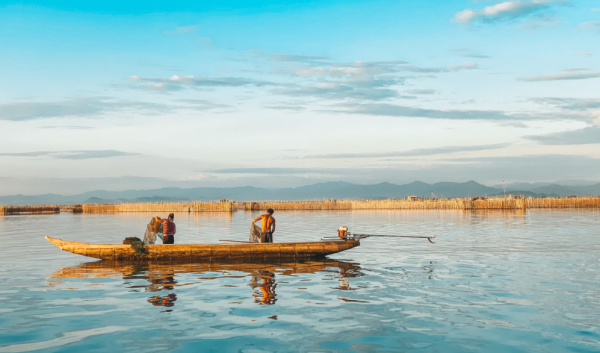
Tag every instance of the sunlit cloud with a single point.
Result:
(508, 10)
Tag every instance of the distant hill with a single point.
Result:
(329, 190)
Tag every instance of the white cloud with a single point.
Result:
(467, 65)
(588, 135)
(596, 121)
(204, 41)
(355, 69)
(360, 80)
(411, 153)
(73, 155)
(590, 25)
(414, 112)
(572, 104)
(469, 53)
(569, 74)
(420, 91)
(360, 69)
(93, 107)
(584, 53)
(297, 58)
(177, 82)
(596, 9)
(84, 107)
(504, 10)
(180, 31)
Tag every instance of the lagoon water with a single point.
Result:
(493, 282)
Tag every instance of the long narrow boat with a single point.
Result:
(208, 252)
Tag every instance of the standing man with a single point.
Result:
(267, 226)
(169, 229)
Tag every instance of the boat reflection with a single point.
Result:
(163, 276)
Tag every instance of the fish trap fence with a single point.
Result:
(337, 205)
(563, 202)
(402, 204)
(24, 210)
(496, 203)
(477, 203)
(322, 205)
(226, 206)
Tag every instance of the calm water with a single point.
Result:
(493, 282)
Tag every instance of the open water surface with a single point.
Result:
(493, 282)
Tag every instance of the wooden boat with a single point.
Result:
(208, 252)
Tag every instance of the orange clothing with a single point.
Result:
(267, 221)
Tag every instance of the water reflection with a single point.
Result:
(263, 277)
(265, 282)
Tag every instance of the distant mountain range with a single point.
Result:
(329, 190)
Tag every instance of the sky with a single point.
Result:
(134, 95)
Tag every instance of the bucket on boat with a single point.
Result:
(343, 232)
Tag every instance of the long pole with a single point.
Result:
(391, 236)
(363, 236)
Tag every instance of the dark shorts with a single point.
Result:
(266, 237)
(168, 239)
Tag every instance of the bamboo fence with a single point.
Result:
(226, 206)
(322, 205)
(98, 208)
(497, 203)
(337, 205)
(23, 210)
(564, 202)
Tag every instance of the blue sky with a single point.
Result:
(120, 95)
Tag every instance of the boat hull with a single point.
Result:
(207, 252)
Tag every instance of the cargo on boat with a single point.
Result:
(208, 252)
